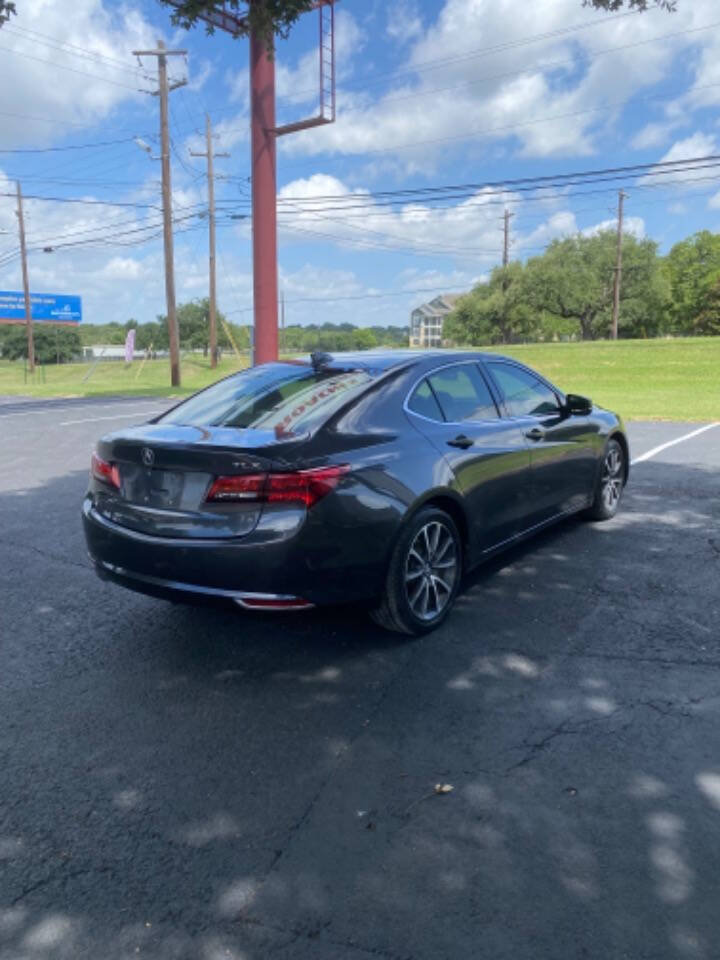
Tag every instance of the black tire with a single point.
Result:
(610, 483)
(401, 607)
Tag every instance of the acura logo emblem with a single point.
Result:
(148, 457)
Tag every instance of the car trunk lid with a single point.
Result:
(166, 471)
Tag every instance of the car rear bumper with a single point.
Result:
(175, 590)
(285, 558)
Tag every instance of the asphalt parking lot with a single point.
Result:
(198, 784)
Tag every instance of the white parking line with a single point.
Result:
(52, 409)
(128, 415)
(671, 443)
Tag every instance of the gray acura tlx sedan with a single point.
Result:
(377, 478)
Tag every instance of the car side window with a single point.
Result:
(423, 402)
(463, 394)
(524, 394)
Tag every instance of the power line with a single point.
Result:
(75, 146)
(361, 296)
(513, 183)
(549, 65)
(92, 203)
(425, 195)
(479, 132)
(69, 48)
(472, 53)
(62, 66)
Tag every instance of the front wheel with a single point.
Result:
(610, 484)
(424, 575)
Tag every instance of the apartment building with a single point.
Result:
(426, 321)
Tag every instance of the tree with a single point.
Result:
(270, 17)
(494, 312)
(363, 339)
(708, 318)
(7, 10)
(692, 269)
(640, 5)
(52, 344)
(264, 17)
(572, 282)
(194, 326)
(151, 335)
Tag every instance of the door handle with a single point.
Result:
(461, 441)
(536, 433)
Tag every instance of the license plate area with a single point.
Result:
(163, 489)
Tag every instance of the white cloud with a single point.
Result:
(47, 84)
(495, 85)
(466, 231)
(449, 281)
(633, 225)
(403, 21)
(122, 268)
(299, 84)
(698, 145)
(559, 224)
(475, 78)
(654, 134)
(470, 79)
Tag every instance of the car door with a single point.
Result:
(563, 455)
(454, 407)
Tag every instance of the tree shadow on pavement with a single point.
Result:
(190, 782)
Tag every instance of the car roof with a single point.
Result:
(387, 359)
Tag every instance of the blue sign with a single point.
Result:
(45, 307)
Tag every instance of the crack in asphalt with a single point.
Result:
(45, 554)
(570, 726)
(662, 661)
(305, 815)
(316, 933)
(561, 730)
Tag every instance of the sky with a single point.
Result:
(429, 93)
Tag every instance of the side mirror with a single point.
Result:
(577, 405)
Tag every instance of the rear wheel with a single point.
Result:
(610, 484)
(424, 575)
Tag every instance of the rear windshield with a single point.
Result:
(287, 398)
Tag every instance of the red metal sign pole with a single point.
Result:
(263, 138)
(264, 191)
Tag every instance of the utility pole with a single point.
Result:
(507, 216)
(26, 283)
(162, 92)
(506, 237)
(211, 219)
(618, 267)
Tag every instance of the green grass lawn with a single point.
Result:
(113, 377)
(640, 379)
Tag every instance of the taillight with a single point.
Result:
(300, 486)
(248, 487)
(104, 471)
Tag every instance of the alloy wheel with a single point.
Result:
(431, 569)
(612, 477)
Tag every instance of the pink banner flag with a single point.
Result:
(130, 345)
